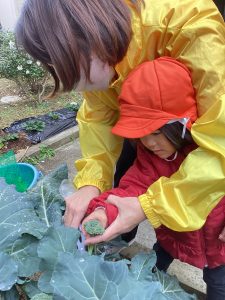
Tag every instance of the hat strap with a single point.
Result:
(184, 122)
(174, 157)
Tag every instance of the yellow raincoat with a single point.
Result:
(193, 32)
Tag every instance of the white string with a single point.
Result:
(183, 121)
(175, 156)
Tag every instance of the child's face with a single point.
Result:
(101, 75)
(158, 143)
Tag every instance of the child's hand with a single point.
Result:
(100, 215)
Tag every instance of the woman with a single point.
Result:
(92, 46)
(163, 103)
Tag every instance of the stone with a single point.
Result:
(9, 99)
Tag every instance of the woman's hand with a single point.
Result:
(77, 204)
(129, 216)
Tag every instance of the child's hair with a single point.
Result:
(66, 33)
(173, 132)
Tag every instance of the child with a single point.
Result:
(161, 102)
(94, 45)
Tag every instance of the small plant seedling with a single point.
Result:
(11, 137)
(44, 153)
(7, 138)
(2, 143)
(94, 228)
(73, 106)
(34, 126)
(53, 116)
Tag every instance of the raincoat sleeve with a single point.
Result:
(132, 184)
(100, 148)
(183, 201)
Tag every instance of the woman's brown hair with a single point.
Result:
(65, 33)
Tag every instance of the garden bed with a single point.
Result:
(28, 107)
(17, 144)
(16, 138)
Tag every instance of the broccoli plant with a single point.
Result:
(94, 228)
(38, 254)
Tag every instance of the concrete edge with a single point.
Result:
(136, 247)
(54, 142)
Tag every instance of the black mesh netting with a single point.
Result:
(66, 118)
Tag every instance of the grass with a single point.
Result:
(44, 153)
(26, 108)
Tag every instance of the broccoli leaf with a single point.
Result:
(24, 252)
(12, 294)
(83, 277)
(170, 287)
(56, 240)
(17, 216)
(49, 204)
(8, 272)
(141, 266)
(42, 296)
(31, 288)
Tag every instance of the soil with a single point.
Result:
(21, 143)
(8, 87)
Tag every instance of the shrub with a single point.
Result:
(73, 106)
(18, 66)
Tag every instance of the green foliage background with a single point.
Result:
(17, 65)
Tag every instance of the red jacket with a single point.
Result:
(198, 248)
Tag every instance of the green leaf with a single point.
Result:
(48, 202)
(24, 252)
(141, 266)
(56, 240)
(17, 216)
(31, 289)
(171, 288)
(87, 277)
(83, 277)
(8, 272)
(13, 294)
(59, 239)
(36, 125)
(17, 65)
(42, 296)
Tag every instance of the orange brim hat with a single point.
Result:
(154, 94)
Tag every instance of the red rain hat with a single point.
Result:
(155, 93)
